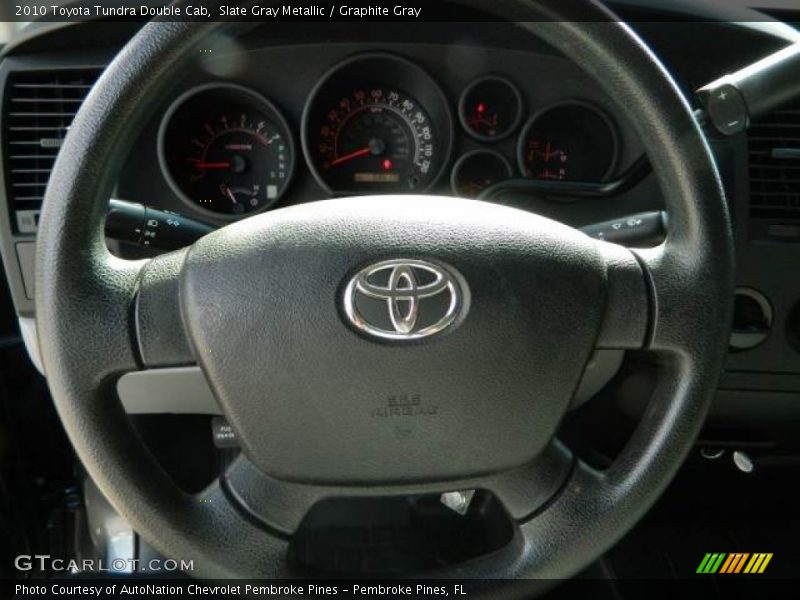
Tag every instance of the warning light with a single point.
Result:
(481, 108)
(387, 165)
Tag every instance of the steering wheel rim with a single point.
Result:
(677, 299)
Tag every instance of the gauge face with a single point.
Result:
(377, 138)
(478, 170)
(226, 150)
(569, 142)
(490, 108)
(363, 137)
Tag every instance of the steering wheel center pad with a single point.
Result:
(313, 399)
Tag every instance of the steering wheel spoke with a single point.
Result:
(96, 299)
(685, 294)
(280, 506)
(159, 331)
(626, 321)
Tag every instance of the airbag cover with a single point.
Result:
(314, 398)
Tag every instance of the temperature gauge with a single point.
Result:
(490, 108)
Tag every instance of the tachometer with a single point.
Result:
(363, 136)
(226, 149)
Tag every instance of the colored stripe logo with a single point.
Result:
(736, 562)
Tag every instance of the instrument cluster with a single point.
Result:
(376, 123)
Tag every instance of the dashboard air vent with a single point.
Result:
(38, 109)
(774, 153)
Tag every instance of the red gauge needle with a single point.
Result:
(352, 155)
(213, 165)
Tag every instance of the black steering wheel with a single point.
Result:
(261, 306)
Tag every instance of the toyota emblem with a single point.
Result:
(405, 299)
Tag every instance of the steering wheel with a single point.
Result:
(261, 306)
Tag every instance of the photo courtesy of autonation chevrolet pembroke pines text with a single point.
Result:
(385, 299)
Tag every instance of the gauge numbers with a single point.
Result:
(377, 137)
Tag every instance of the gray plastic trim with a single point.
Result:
(178, 390)
(112, 536)
(30, 338)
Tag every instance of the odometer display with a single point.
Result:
(362, 136)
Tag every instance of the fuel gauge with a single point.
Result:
(490, 108)
(571, 141)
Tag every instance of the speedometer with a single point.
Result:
(365, 137)
(377, 138)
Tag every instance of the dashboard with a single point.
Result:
(279, 116)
